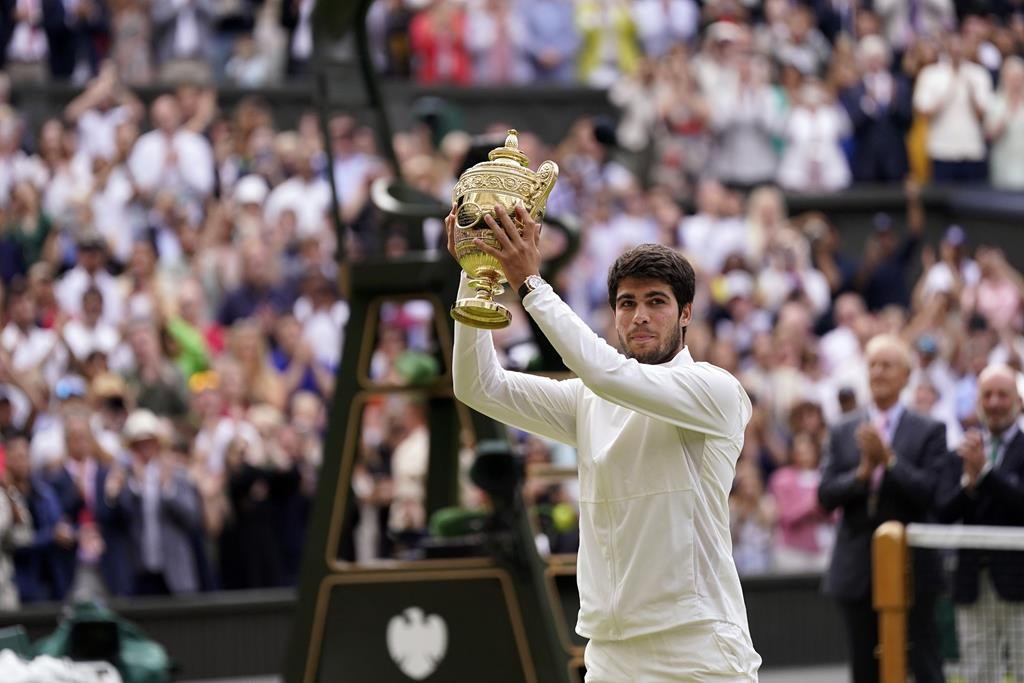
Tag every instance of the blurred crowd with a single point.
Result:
(248, 43)
(810, 95)
(172, 324)
(172, 320)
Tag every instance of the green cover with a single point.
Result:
(141, 660)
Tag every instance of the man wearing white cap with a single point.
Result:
(164, 508)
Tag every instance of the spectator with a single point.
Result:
(155, 382)
(260, 484)
(409, 462)
(766, 216)
(952, 273)
(837, 19)
(1004, 127)
(388, 24)
(981, 485)
(258, 294)
(109, 399)
(954, 94)
(608, 48)
(304, 193)
(15, 531)
(183, 38)
(711, 234)
(296, 18)
(69, 173)
(803, 46)
(38, 574)
(745, 119)
(29, 232)
(90, 333)
(880, 108)
(24, 41)
(638, 98)
(551, 40)
(247, 345)
(247, 67)
(903, 22)
(788, 275)
(438, 40)
(998, 293)
(115, 211)
(883, 465)
(232, 23)
(163, 505)
(17, 166)
(354, 168)
(496, 40)
(35, 356)
(806, 531)
(838, 267)
(882, 279)
(323, 316)
(130, 38)
(171, 157)
(752, 518)
(662, 25)
(814, 160)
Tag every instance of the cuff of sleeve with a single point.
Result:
(984, 472)
(531, 295)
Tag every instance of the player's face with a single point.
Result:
(648, 321)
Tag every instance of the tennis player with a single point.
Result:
(657, 436)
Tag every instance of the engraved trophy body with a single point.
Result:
(504, 179)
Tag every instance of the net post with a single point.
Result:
(891, 598)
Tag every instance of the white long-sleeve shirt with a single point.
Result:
(955, 130)
(657, 448)
(192, 170)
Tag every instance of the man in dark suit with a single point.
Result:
(101, 539)
(880, 107)
(983, 483)
(163, 507)
(883, 464)
(39, 574)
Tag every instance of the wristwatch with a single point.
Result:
(531, 283)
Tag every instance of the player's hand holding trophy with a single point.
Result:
(504, 179)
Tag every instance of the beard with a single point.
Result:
(660, 354)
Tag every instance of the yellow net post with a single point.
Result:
(892, 598)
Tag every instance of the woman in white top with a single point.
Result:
(813, 160)
(1004, 127)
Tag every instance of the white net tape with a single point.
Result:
(973, 537)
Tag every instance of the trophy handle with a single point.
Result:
(545, 178)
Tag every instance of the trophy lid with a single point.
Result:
(510, 152)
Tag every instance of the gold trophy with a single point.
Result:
(505, 179)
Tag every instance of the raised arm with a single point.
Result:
(694, 396)
(540, 405)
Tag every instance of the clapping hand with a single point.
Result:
(972, 453)
(872, 450)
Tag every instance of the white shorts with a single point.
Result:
(705, 651)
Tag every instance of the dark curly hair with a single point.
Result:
(654, 262)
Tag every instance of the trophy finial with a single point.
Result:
(510, 151)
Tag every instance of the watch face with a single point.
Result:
(534, 281)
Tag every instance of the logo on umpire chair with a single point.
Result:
(417, 642)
